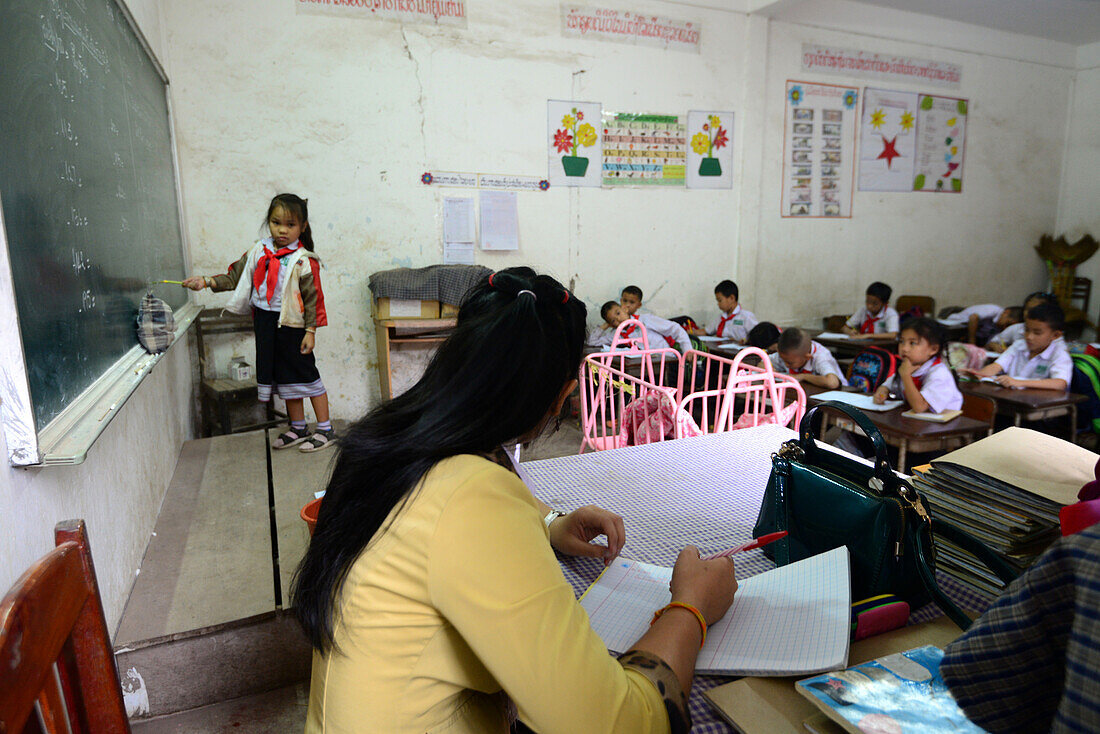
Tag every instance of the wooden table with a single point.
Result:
(908, 434)
(851, 347)
(1029, 404)
(405, 347)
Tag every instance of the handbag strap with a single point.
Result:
(967, 542)
(806, 436)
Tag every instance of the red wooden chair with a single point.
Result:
(57, 668)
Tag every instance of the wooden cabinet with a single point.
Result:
(405, 347)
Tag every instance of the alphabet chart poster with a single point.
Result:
(819, 150)
(644, 149)
(887, 140)
(941, 143)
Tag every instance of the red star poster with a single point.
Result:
(887, 140)
(819, 150)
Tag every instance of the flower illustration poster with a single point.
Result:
(710, 150)
(574, 143)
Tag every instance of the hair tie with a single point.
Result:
(527, 291)
(565, 296)
(491, 279)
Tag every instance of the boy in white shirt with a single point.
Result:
(733, 322)
(984, 320)
(806, 361)
(1006, 338)
(631, 301)
(923, 378)
(1040, 360)
(672, 333)
(875, 319)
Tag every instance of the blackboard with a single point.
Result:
(88, 188)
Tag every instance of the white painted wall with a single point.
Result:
(119, 488)
(1078, 212)
(350, 112)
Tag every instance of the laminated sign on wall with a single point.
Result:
(819, 150)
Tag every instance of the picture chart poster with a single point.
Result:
(641, 149)
(819, 150)
(710, 155)
(941, 143)
(574, 144)
(887, 140)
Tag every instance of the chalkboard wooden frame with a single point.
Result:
(68, 437)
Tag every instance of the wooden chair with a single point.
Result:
(980, 408)
(220, 393)
(57, 668)
(926, 304)
(1082, 291)
(834, 323)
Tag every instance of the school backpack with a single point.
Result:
(689, 325)
(871, 368)
(1086, 381)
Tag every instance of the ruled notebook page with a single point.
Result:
(789, 621)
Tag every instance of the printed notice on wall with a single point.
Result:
(887, 140)
(438, 12)
(499, 220)
(941, 143)
(881, 67)
(643, 149)
(623, 26)
(819, 150)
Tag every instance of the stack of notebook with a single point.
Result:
(1006, 490)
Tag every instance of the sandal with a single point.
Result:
(289, 438)
(319, 440)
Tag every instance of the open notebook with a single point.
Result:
(792, 620)
(858, 400)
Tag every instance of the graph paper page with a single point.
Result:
(788, 621)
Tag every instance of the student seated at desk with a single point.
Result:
(1007, 337)
(924, 380)
(807, 361)
(613, 315)
(430, 590)
(764, 335)
(985, 320)
(733, 321)
(631, 301)
(1030, 663)
(875, 319)
(1040, 360)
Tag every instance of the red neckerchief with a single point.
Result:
(918, 381)
(868, 326)
(267, 267)
(809, 363)
(671, 341)
(628, 330)
(722, 322)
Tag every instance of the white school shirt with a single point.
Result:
(984, 311)
(664, 328)
(259, 293)
(937, 385)
(1053, 362)
(735, 326)
(887, 320)
(821, 362)
(598, 337)
(1011, 335)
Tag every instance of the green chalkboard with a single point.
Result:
(88, 188)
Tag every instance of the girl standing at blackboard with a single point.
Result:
(279, 281)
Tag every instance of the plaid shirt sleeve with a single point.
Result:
(1032, 662)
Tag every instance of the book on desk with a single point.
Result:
(792, 620)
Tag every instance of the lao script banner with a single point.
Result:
(624, 26)
(438, 12)
(855, 63)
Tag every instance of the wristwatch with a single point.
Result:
(551, 517)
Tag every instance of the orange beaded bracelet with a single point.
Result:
(693, 610)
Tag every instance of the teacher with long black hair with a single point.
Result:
(431, 592)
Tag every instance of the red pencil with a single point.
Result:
(754, 543)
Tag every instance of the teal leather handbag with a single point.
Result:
(825, 499)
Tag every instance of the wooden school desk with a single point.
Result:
(704, 491)
(908, 434)
(851, 347)
(1028, 404)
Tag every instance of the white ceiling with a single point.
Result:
(1070, 21)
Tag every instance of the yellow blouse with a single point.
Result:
(460, 597)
